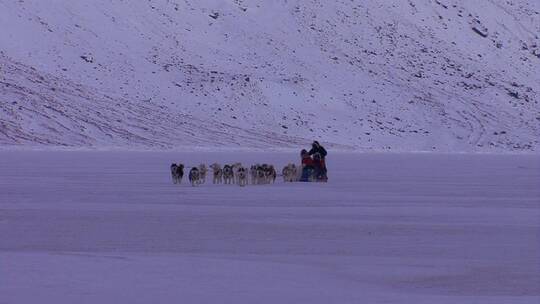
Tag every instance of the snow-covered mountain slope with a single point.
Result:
(444, 75)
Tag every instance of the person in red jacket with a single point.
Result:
(308, 166)
(306, 158)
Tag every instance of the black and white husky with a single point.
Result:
(270, 174)
(242, 176)
(260, 176)
(177, 173)
(265, 174)
(194, 176)
(228, 174)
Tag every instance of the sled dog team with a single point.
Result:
(312, 168)
(239, 175)
(230, 174)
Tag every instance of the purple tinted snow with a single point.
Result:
(110, 227)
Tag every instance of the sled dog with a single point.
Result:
(177, 173)
(194, 176)
(242, 176)
(217, 173)
(289, 173)
(202, 173)
(228, 174)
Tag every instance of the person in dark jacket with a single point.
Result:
(319, 153)
(317, 148)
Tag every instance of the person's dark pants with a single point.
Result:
(307, 173)
(321, 172)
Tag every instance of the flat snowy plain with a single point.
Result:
(110, 227)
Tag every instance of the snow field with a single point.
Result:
(110, 227)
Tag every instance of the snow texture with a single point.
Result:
(110, 227)
(409, 75)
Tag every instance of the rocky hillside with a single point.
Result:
(405, 75)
